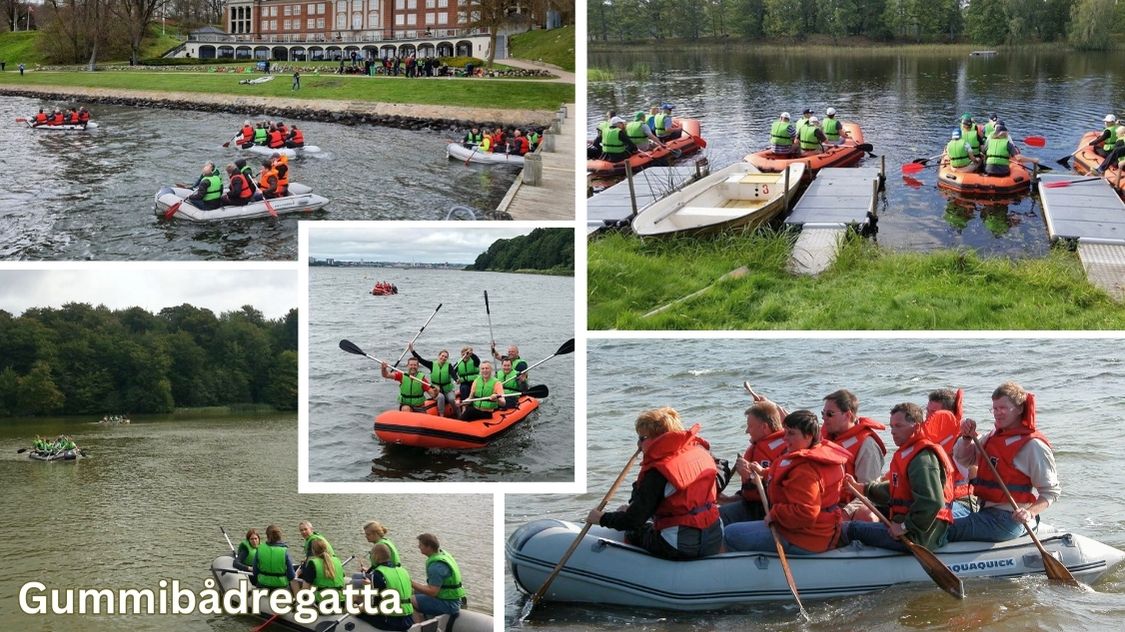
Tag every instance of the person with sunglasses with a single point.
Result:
(857, 435)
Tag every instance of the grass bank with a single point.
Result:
(21, 47)
(553, 47)
(867, 288)
(491, 93)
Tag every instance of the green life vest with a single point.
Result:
(410, 391)
(260, 136)
(508, 379)
(801, 124)
(323, 581)
(636, 132)
(661, 123)
(1111, 139)
(969, 135)
(451, 588)
(398, 580)
(989, 127)
(272, 572)
(474, 139)
(832, 129)
(808, 138)
(439, 376)
(214, 188)
(611, 141)
(997, 151)
(251, 552)
(603, 127)
(779, 133)
(484, 389)
(533, 138)
(316, 536)
(391, 547)
(467, 370)
(958, 156)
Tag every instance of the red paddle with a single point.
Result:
(171, 212)
(1065, 183)
(1035, 141)
(20, 119)
(269, 207)
(913, 167)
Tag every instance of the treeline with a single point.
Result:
(79, 359)
(1084, 24)
(549, 249)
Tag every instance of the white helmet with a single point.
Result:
(814, 120)
(784, 115)
(1109, 118)
(831, 112)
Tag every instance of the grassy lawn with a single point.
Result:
(532, 95)
(867, 288)
(554, 47)
(21, 47)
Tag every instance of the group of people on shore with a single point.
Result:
(468, 389)
(809, 135)
(271, 566)
(617, 139)
(271, 134)
(518, 142)
(79, 116)
(242, 187)
(938, 487)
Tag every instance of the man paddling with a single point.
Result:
(767, 444)
(412, 387)
(857, 435)
(208, 189)
(443, 592)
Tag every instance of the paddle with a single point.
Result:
(171, 212)
(527, 608)
(867, 147)
(935, 568)
(227, 144)
(698, 140)
(229, 543)
(565, 348)
(488, 312)
(20, 119)
(914, 167)
(780, 549)
(475, 148)
(1065, 160)
(22, 450)
(538, 391)
(412, 340)
(1056, 570)
(269, 207)
(1035, 141)
(1065, 183)
(922, 161)
(275, 616)
(350, 347)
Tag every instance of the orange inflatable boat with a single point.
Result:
(845, 155)
(686, 143)
(427, 430)
(1018, 180)
(1086, 159)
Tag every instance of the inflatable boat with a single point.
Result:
(301, 199)
(605, 570)
(1086, 160)
(460, 152)
(428, 430)
(228, 578)
(1017, 181)
(65, 455)
(66, 127)
(844, 155)
(383, 291)
(285, 151)
(687, 142)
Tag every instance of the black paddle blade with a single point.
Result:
(350, 347)
(567, 347)
(539, 391)
(920, 161)
(1065, 162)
(486, 308)
(1043, 167)
(21, 450)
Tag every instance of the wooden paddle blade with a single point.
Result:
(270, 208)
(1036, 141)
(936, 569)
(1056, 570)
(913, 167)
(350, 347)
(567, 347)
(171, 212)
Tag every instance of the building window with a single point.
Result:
(287, 25)
(357, 5)
(443, 18)
(357, 21)
(287, 10)
(310, 23)
(400, 5)
(430, 4)
(320, 9)
(320, 23)
(400, 20)
(372, 19)
(411, 19)
(341, 6)
(411, 4)
(442, 4)
(430, 18)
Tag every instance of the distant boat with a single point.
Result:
(982, 53)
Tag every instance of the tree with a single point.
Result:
(988, 22)
(782, 18)
(1090, 23)
(37, 393)
(281, 392)
(489, 15)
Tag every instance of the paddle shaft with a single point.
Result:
(488, 312)
(229, 543)
(781, 550)
(412, 340)
(1065, 183)
(1056, 570)
(539, 390)
(581, 534)
(562, 351)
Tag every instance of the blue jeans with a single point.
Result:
(755, 536)
(876, 533)
(740, 511)
(432, 606)
(992, 524)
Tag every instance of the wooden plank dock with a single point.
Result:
(836, 199)
(615, 204)
(1091, 212)
(553, 198)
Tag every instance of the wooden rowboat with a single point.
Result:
(737, 196)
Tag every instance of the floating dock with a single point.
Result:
(839, 197)
(616, 204)
(1091, 212)
(553, 197)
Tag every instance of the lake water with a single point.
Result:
(907, 105)
(89, 195)
(346, 392)
(1078, 385)
(147, 505)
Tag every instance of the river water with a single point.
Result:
(89, 195)
(907, 104)
(1078, 383)
(147, 505)
(346, 392)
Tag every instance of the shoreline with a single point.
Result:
(399, 115)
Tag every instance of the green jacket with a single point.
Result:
(926, 479)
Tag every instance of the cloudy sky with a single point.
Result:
(413, 244)
(272, 292)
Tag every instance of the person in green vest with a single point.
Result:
(412, 387)
(465, 371)
(508, 378)
(272, 567)
(615, 144)
(604, 125)
(485, 386)
(519, 365)
(473, 137)
(323, 571)
(811, 137)
(990, 126)
(806, 116)
(639, 132)
(442, 377)
(960, 154)
(833, 128)
(1117, 156)
(376, 534)
(971, 134)
(247, 552)
(305, 528)
(208, 189)
(260, 134)
(1000, 151)
(664, 125)
(782, 135)
(1105, 143)
(442, 593)
(387, 575)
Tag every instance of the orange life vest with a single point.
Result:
(944, 429)
(822, 532)
(247, 190)
(276, 139)
(74, 120)
(898, 475)
(283, 130)
(84, 116)
(41, 118)
(1002, 447)
(57, 118)
(264, 180)
(247, 134)
(682, 457)
(298, 137)
(282, 178)
(852, 440)
(764, 452)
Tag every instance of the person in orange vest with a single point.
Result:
(767, 444)
(57, 118)
(240, 190)
(944, 411)
(281, 164)
(40, 118)
(83, 116)
(857, 435)
(1026, 463)
(267, 180)
(672, 512)
(276, 140)
(72, 117)
(803, 490)
(518, 145)
(918, 488)
(296, 138)
(245, 137)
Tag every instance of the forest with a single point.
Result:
(85, 360)
(546, 249)
(1083, 24)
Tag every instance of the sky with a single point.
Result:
(412, 244)
(272, 292)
